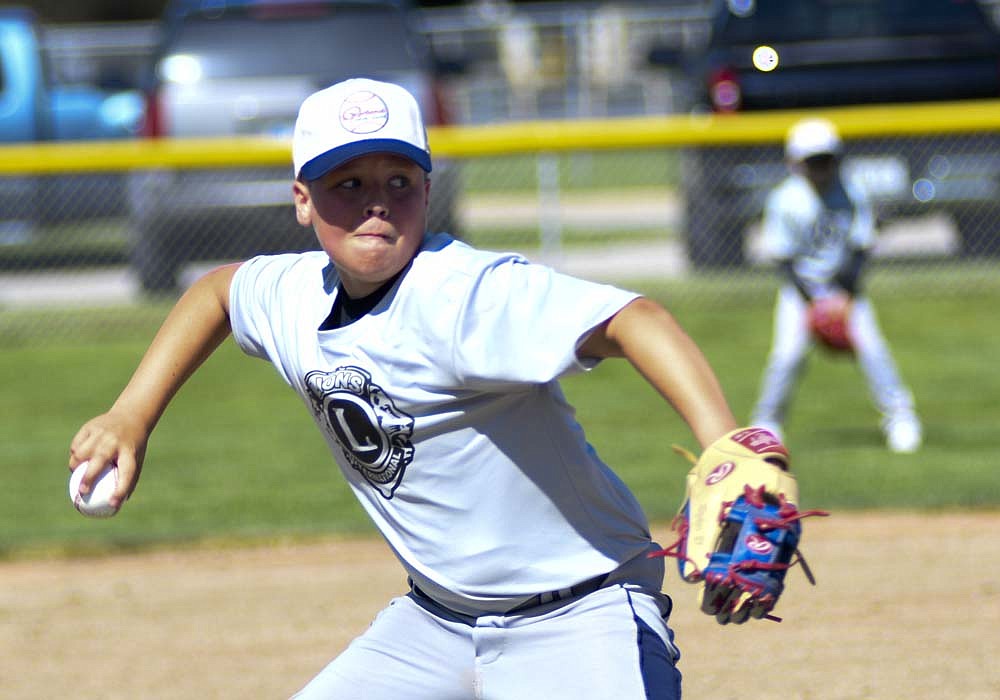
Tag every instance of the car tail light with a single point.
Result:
(724, 90)
(153, 126)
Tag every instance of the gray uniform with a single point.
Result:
(818, 235)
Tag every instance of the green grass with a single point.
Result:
(578, 171)
(97, 242)
(529, 242)
(837, 447)
(237, 456)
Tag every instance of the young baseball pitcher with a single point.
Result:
(818, 225)
(431, 368)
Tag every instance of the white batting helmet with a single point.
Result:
(812, 137)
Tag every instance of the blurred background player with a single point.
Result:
(818, 227)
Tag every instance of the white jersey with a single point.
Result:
(817, 233)
(445, 396)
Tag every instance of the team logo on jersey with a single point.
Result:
(373, 434)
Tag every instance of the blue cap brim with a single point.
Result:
(335, 157)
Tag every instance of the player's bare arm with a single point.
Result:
(651, 339)
(195, 327)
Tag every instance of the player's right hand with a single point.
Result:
(110, 438)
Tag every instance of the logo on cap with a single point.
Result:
(364, 112)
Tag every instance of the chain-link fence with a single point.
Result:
(119, 243)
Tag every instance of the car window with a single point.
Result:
(779, 20)
(359, 40)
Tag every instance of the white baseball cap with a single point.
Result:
(354, 118)
(812, 137)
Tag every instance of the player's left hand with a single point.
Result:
(739, 525)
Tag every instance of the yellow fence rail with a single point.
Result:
(519, 137)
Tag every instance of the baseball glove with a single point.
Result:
(828, 322)
(738, 528)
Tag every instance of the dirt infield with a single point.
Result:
(907, 606)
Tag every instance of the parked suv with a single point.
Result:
(778, 54)
(243, 67)
(36, 109)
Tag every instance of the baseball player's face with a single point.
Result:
(369, 216)
(821, 170)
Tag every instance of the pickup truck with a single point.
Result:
(32, 109)
(810, 54)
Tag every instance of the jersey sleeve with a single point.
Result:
(522, 322)
(779, 240)
(862, 233)
(255, 305)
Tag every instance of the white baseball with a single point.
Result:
(95, 504)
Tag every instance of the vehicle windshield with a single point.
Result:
(781, 20)
(357, 39)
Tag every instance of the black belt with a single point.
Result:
(577, 591)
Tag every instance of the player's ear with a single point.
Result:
(427, 191)
(303, 203)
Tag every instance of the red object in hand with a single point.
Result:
(828, 322)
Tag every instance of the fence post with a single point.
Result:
(549, 214)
